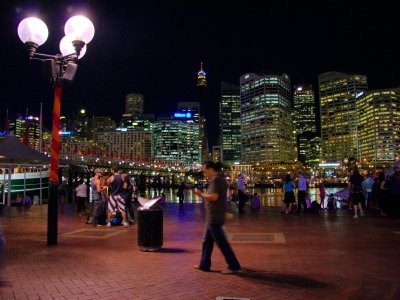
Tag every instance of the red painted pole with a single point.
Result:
(55, 135)
(52, 215)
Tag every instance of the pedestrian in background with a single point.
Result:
(356, 191)
(301, 192)
(367, 185)
(241, 189)
(97, 196)
(116, 202)
(215, 208)
(322, 193)
(181, 194)
(81, 196)
(288, 189)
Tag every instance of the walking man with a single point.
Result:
(215, 207)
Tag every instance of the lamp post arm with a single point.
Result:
(41, 56)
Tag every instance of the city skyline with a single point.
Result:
(156, 50)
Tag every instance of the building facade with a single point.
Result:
(267, 127)
(378, 115)
(133, 145)
(27, 129)
(304, 109)
(338, 93)
(229, 116)
(134, 104)
(177, 139)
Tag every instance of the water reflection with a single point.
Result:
(268, 196)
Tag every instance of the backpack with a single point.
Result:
(315, 207)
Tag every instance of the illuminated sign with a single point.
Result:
(65, 132)
(183, 115)
(333, 164)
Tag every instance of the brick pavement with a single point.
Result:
(330, 256)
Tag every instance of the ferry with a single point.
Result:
(34, 184)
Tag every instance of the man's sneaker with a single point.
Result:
(362, 214)
(355, 217)
(108, 225)
(126, 224)
(228, 271)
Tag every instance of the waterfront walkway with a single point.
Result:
(330, 256)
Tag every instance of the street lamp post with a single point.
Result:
(33, 32)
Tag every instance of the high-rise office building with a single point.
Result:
(125, 145)
(177, 139)
(229, 115)
(267, 130)
(338, 93)
(309, 145)
(102, 123)
(79, 125)
(199, 120)
(304, 109)
(378, 115)
(134, 104)
(201, 77)
(27, 129)
(305, 121)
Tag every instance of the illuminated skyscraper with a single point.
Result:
(134, 104)
(198, 122)
(267, 130)
(229, 115)
(177, 139)
(27, 130)
(304, 109)
(338, 93)
(305, 121)
(201, 77)
(378, 115)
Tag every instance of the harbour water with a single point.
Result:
(268, 196)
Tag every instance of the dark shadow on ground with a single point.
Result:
(173, 250)
(291, 279)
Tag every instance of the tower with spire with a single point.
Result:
(201, 81)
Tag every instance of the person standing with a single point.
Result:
(288, 200)
(81, 196)
(367, 187)
(356, 190)
(322, 193)
(215, 213)
(97, 196)
(181, 194)
(116, 202)
(241, 188)
(128, 189)
(383, 194)
(301, 193)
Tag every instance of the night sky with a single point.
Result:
(156, 49)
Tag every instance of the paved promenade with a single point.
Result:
(330, 256)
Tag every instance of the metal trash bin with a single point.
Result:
(150, 228)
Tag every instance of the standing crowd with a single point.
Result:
(111, 197)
